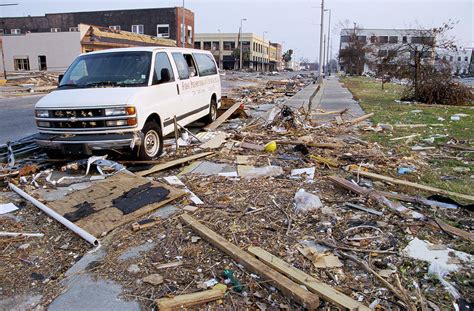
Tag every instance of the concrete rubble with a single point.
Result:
(283, 179)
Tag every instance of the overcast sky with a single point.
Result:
(295, 23)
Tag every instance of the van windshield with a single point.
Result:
(121, 69)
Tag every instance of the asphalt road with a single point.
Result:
(17, 117)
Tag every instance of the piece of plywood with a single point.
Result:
(285, 285)
(222, 117)
(101, 206)
(169, 164)
(189, 300)
(413, 185)
(323, 290)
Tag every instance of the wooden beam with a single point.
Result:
(413, 185)
(222, 117)
(361, 118)
(285, 285)
(189, 300)
(310, 144)
(323, 290)
(169, 164)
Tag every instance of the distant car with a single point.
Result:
(126, 100)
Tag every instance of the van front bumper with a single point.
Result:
(87, 143)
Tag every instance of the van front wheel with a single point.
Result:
(212, 116)
(152, 144)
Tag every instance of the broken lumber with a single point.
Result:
(329, 112)
(413, 185)
(285, 285)
(189, 300)
(321, 289)
(398, 208)
(411, 126)
(360, 119)
(405, 137)
(169, 164)
(222, 117)
(311, 144)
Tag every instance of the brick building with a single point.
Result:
(159, 22)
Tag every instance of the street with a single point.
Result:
(17, 115)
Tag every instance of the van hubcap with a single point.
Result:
(152, 143)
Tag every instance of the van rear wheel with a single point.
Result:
(152, 144)
(212, 116)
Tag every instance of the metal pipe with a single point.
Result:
(19, 234)
(79, 231)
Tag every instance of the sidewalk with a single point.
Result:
(333, 96)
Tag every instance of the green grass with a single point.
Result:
(382, 102)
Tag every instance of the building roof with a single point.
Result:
(106, 36)
(118, 10)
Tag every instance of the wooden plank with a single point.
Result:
(323, 290)
(285, 285)
(222, 117)
(361, 118)
(189, 300)
(176, 162)
(413, 185)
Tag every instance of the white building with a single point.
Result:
(459, 60)
(382, 42)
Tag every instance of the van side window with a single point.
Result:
(191, 66)
(163, 71)
(206, 64)
(181, 64)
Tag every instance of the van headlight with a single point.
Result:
(116, 123)
(109, 112)
(42, 113)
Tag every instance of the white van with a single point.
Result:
(121, 99)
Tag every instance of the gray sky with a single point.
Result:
(294, 22)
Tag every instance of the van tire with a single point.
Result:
(152, 144)
(212, 116)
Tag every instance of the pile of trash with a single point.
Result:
(280, 210)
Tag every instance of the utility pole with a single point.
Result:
(327, 53)
(240, 43)
(324, 54)
(320, 78)
(1, 42)
(183, 33)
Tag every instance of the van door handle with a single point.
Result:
(177, 88)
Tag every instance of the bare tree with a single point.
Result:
(353, 51)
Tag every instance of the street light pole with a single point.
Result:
(220, 47)
(240, 42)
(183, 33)
(327, 53)
(263, 66)
(320, 78)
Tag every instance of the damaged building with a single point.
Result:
(38, 52)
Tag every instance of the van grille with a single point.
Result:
(80, 113)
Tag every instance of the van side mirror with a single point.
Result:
(165, 75)
(60, 77)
